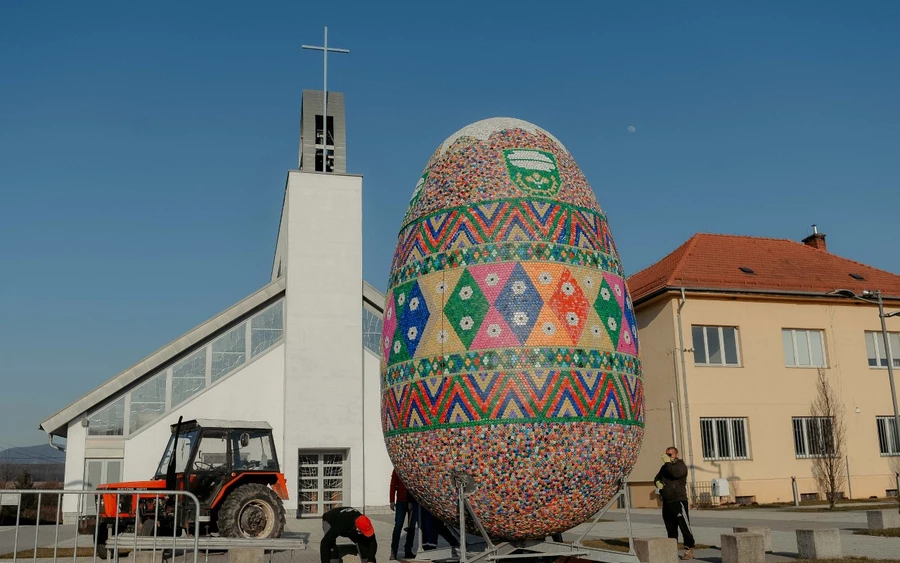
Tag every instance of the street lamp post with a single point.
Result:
(890, 363)
(866, 297)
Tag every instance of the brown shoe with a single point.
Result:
(688, 554)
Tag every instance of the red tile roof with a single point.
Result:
(714, 262)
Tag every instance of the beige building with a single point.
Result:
(733, 332)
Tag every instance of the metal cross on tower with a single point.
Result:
(325, 49)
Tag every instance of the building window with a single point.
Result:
(188, 377)
(330, 130)
(372, 324)
(229, 351)
(319, 161)
(147, 402)
(877, 351)
(888, 440)
(108, 421)
(813, 436)
(724, 438)
(715, 345)
(803, 348)
(266, 329)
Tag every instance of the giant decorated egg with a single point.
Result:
(510, 347)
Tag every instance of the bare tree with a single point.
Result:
(828, 437)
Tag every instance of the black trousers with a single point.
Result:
(675, 515)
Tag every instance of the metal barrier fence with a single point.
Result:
(105, 531)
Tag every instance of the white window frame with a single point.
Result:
(806, 332)
(705, 345)
(874, 337)
(710, 437)
(805, 436)
(886, 437)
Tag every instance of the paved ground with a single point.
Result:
(707, 525)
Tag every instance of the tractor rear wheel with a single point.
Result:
(251, 511)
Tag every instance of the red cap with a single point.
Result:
(364, 525)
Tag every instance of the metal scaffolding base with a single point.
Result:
(536, 551)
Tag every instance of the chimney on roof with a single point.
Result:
(816, 240)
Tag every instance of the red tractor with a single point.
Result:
(230, 466)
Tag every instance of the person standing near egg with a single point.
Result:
(672, 484)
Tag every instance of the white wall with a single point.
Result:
(323, 322)
(378, 464)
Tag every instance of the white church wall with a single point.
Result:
(378, 464)
(323, 322)
(253, 394)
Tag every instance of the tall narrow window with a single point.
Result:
(803, 348)
(877, 351)
(888, 438)
(715, 345)
(330, 130)
(724, 438)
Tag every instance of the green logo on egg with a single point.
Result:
(534, 172)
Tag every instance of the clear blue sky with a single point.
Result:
(143, 150)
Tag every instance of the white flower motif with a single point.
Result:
(618, 289)
(441, 287)
(396, 346)
(628, 302)
(466, 323)
(518, 287)
(520, 318)
(604, 293)
(390, 313)
(627, 338)
(611, 323)
(492, 279)
(568, 288)
(387, 341)
(595, 330)
(589, 282)
(572, 318)
(465, 293)
(549, 329)
(413, 303)
(442, 336)
(545, 278)
(494, 331)
(401, 299)
(412, 333)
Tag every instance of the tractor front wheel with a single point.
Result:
(251, 511)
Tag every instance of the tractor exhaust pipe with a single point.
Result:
(170, 471)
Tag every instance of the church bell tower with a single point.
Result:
(316, 137)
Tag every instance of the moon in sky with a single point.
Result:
(631, 129)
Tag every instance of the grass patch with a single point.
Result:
(886, 533)
(621, 544)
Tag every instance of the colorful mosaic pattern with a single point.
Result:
(509, 344)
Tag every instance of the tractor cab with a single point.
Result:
(210, 455)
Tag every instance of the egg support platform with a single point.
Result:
(529, 550)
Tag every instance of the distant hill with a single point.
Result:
(32, 455)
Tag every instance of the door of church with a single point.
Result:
(322, 482)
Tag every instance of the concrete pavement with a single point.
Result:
(708, 525)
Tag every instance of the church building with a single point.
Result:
(299, 354)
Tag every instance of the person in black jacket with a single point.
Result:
(671, 482)
(349, 523)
